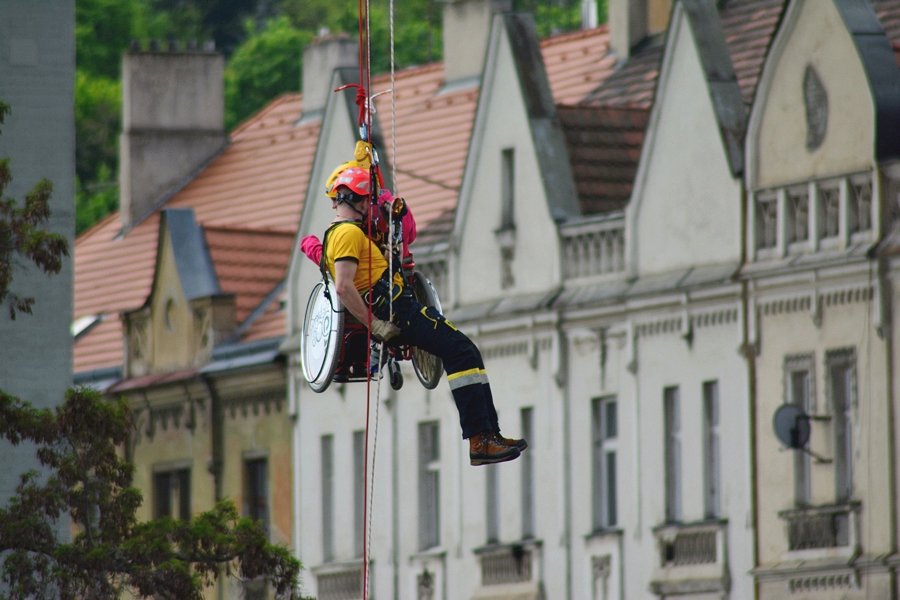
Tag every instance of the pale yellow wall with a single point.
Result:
(254, 432)
(781, 335)
(819, 38)
(173, 347)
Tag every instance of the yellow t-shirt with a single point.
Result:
(347, 241)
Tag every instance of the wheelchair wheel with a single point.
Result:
(427, 366)
(396, 377)
(320, 339)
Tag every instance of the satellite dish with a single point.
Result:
(791, 426)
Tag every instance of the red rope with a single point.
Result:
(365, 119)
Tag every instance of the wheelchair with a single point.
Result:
(333, 344)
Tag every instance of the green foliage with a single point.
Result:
(264, 66)
(103, 29)
(111, 552)
(97, 124)
(22, 234)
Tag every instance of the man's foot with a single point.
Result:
(486, 448)
(512, 442)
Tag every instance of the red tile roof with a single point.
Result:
(249, 263)
(633, 84)
(749, 27)
(259, 180)
(256, 183)
(604, 147)
(577, 63)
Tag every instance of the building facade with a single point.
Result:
(37, 80)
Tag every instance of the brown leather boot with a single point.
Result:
(485, 448)
(519, 443)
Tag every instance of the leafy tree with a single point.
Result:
(264, 66)
(22, 235)
(86, 482)
(110, 551)
(97, 123)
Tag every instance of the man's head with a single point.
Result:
(351, 189)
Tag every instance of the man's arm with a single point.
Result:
(344, 272)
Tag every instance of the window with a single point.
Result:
(798, 214)
(712, 495)
(766, 221)
(172, 494)
(507, 188)
(860, 204)
(506, 233)
(672, 453)
(429, 485)
(527, 464)
(799, 392)
(256, 490)
(829, 211)
(327, 497)
(604, 425)
(841, 370)
(359, 468)
(492, 493)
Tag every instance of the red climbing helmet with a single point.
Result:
(357, 180)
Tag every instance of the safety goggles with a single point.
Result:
(345, 195)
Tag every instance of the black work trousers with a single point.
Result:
(427, 329)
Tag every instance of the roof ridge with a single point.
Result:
(262, 112)
(572, 35)
(410, 71)
(246, 229)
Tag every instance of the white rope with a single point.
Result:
(371, 103)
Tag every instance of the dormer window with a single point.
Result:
(506, 232)
(169, 316)
(507, 189)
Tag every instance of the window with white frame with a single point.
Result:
(507, 188)
(860, 204)
(256, 490)
(527, 465)
(359, 466)
(327, 466)
(841, 372)
(798, 214)
(799, 378)
(829, 210)
(712, 488)
(766, 221)
(604, 433)
(429, 485)
(672, 449)
(172, 493)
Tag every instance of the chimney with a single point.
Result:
(632, 21)
(172, 122)
(467, 26)
(325, 54)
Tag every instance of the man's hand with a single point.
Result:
(384, 331)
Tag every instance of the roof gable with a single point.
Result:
(800, 127)
(685, 207)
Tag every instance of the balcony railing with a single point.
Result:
(342, 583)
(820, 527)
(594, 247)
(691, 557)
